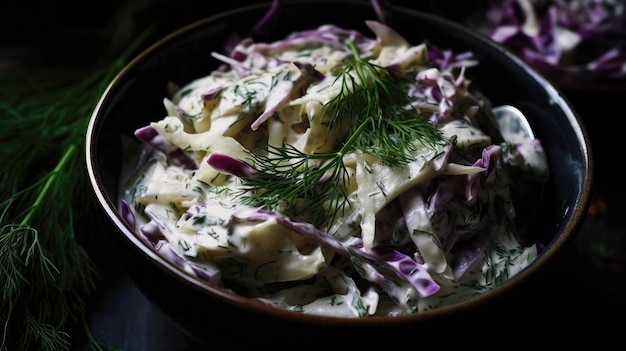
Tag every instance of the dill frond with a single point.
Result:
(46, 274)
(313, 186)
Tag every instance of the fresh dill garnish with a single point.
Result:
(374, 108)
(45, 271)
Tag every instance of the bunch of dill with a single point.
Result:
(46, 274)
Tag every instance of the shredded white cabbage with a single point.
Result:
(448, 213)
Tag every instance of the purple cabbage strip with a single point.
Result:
(214, 277)
(369, 272)
(235, 61)
(490, 157)
(264, 25)
(128, 214)
(403, 266)
(308, 70)
(175, 154)
(229, 165)
(466, 258)
(153, 233)
(212, 93)
(444, 191)
(307, 74)
(330, 35)
(428, 93)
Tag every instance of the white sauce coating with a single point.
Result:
(200, 215)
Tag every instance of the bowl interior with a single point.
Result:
(135, 98)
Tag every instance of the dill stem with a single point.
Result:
(346, 146)
(49, 183)
(353, 137)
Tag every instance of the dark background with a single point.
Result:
(585, 292)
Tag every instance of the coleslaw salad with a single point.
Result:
(395, 238)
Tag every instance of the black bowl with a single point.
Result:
(135, 97)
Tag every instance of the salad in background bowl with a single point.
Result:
(132, 109)
(581, 45)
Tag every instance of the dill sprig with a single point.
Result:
(46, 274)
(374, 106)
(298, 183)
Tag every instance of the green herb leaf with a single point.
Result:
(373, 104)
(46, 274)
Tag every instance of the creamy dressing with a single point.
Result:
(267, 100)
